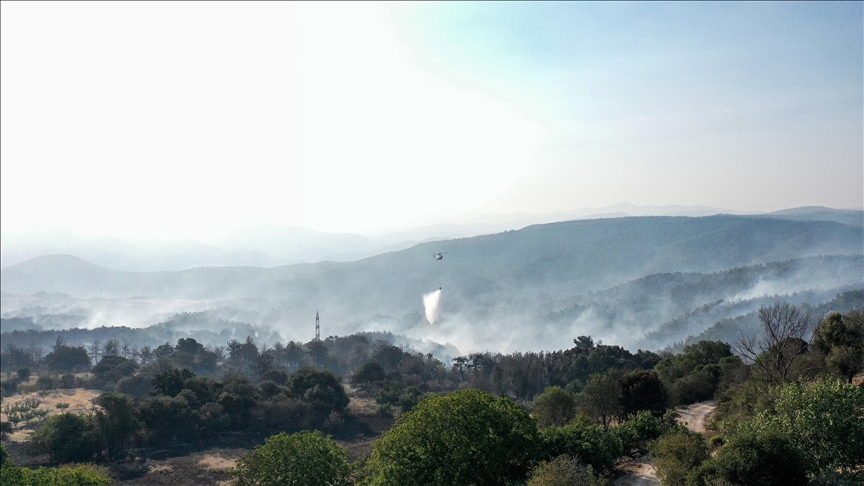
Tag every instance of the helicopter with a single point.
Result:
(439, 256)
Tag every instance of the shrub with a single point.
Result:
(592, 443)
(322, 388)
(554, 407)
(306, 458)
(24, 373)
(767, 458)
(465, 437)
(562, 471)
(676, 454)
(66, 437)
(638, 430)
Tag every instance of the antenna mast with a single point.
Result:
(317, 327)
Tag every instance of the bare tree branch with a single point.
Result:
(784, 329)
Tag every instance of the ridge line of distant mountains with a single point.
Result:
(272, 246)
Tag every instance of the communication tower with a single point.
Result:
(317, 327)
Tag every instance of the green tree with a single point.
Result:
(301, 459)
(67, 358)
(66, 437)
(116, 421)
(601, 397)
(322, 388)
(169, 383)
(113, 368)
(841, 339)
(368, 376)
(554, 407)
(825, 421)
(642, 390)
(465, 437)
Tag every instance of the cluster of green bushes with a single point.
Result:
(77, 475)
(789, 417)
(186, 407)
(813, 434)
(464, 437)
(784, 417)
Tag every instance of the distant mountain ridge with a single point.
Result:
(271, 246)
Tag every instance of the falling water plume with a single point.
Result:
(432, 304)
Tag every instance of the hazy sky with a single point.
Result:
(177, 118)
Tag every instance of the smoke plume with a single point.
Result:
(432, 304)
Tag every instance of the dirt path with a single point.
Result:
(696, 415)
(638, 472)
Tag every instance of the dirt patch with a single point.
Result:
(695, 416)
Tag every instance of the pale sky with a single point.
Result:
(175, 119)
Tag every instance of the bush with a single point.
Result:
(591, 443)
(79, 475)
(767, 458)
(554, 407)
(322, 388)
(66, 437)
(638, 430)
(10, 386)
(677, 453)
(562, 471)
(46, 382)
(465, 437)
(306, 458)
(24, 373)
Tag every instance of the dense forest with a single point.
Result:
(787, 411)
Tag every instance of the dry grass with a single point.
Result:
(362, 407)
(215, 462)
(78, 399)
(161, 469)
(200, 468)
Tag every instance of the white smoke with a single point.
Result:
(432, 304)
